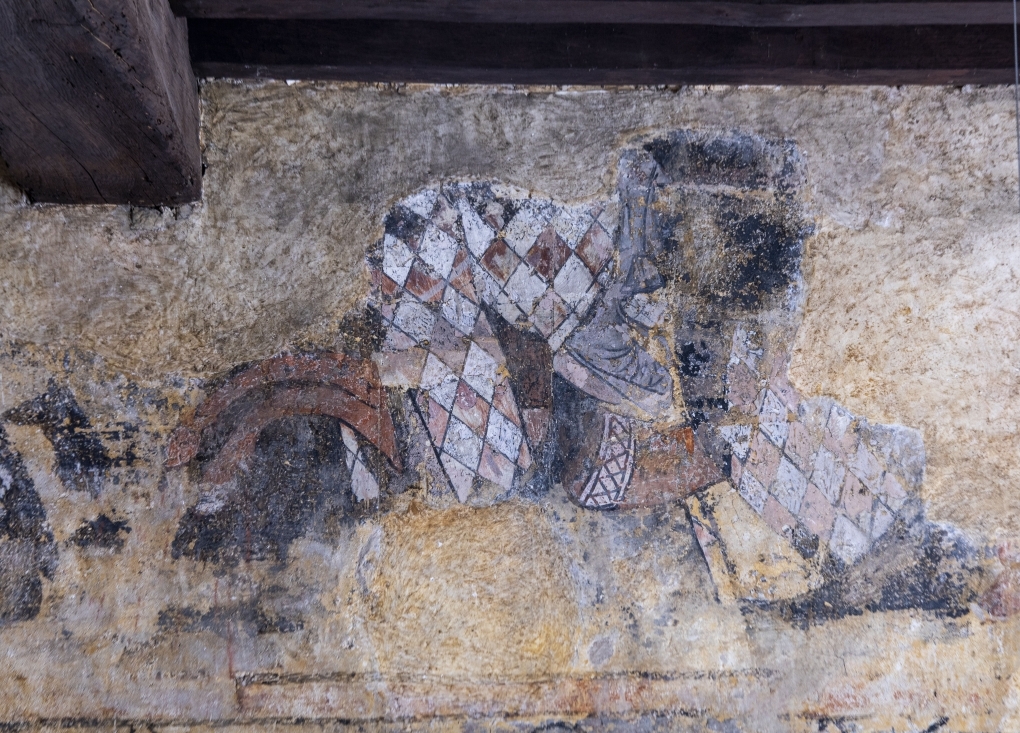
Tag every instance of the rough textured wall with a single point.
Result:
(135, 588)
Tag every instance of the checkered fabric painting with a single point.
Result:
(449, 256)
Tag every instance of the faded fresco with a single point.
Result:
(629, 352)
(607, 378)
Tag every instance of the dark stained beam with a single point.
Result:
(746, 14)
(406, 51)
(98, 103)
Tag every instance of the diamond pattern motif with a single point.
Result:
(419, 282)
(791, 470)
(470, 408)
(502, 250)
(500, 261)
(548, 254)
(397, 259)
(596, 248)
(609, 481)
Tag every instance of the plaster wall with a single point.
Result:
(911, 318)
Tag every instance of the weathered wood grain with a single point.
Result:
(98, 103)
(406, 51)
(612, 11)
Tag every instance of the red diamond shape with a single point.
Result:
(548, 254)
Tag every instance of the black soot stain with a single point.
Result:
(250, 617)
(101, 532)
(27, 550)
(81, 458)
(917, 565)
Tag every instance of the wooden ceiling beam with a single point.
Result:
(740, 14)
(422, 51)
(98, 102)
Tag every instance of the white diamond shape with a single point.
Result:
(440, 381)
(772, 418)
(525, 287)
(506, 308)
(883, 519)
(504, 435)
(739, 438)
(461, 477)
(753, 492)
(397, 259)
(477, 233)
(866, 467)
(414, 319)
(437, 250)
(828, 475)
(459, 311)
(480, 371)
(848, 543)
(573, 280)
(363, 483)
(789, 486)
(463, 444)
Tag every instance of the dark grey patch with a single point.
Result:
(27, 550)
(297, 479)
(703, 360)
(764, 255)
(15, 727)
(101, 532)
(730, 257)
(740, 160)
(843, 725)
(82, 461)
(408, 428)
(575, 432)
(940, 723)
(404, 224)
(248, 617)
(361, 332)
(694, 358)
(916, 565)
(158, 218)
(601, 650)
(674, 721)
(804, 541)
